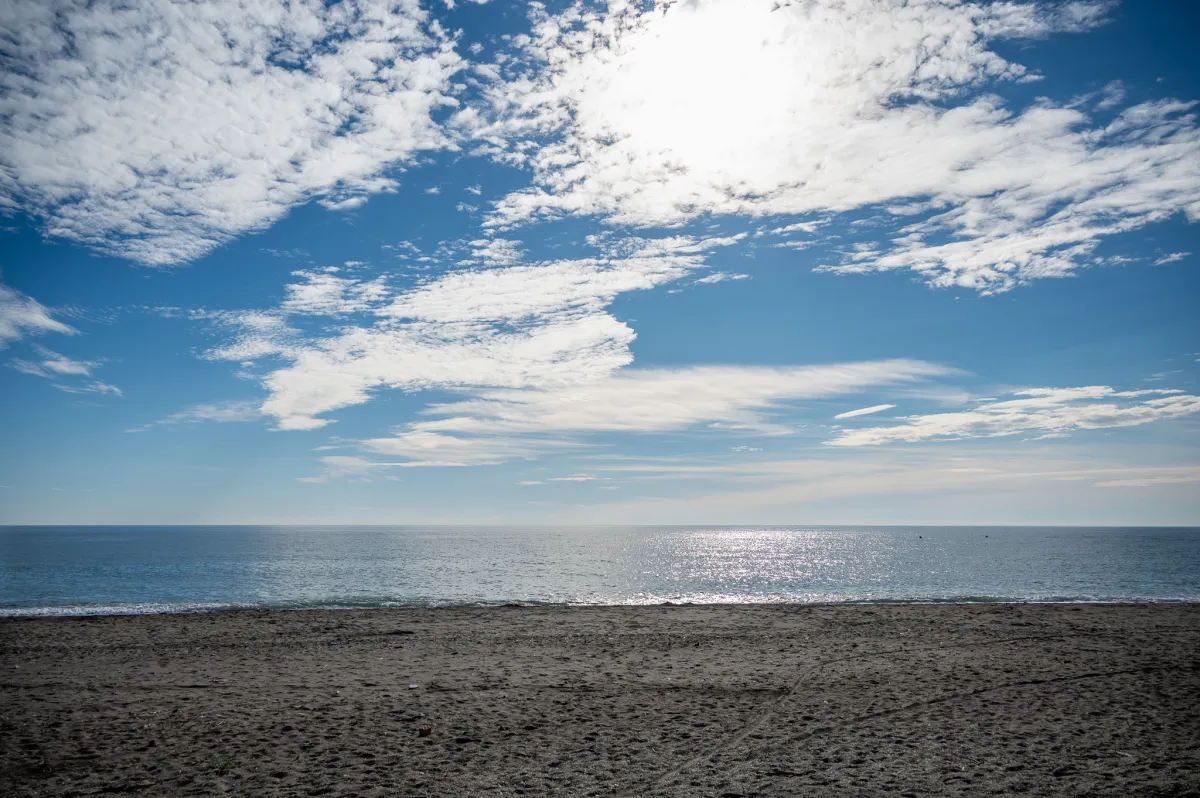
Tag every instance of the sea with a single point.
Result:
(158, 569)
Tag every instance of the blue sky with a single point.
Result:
(693, 262)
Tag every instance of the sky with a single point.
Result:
(694, 262)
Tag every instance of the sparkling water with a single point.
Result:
(71, 570)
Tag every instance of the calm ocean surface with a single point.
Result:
(73, 570)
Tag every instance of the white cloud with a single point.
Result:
(158, 130)
(496, 251)
(94, 386)
(256, 334)
(348, 204)
(218, 412)
(1112, 95)
(717, 277)
(325, 294)
(22, 315)
(53, 366)
(1043, 412)
(652, 115)
(864, 411)
(500, 326)
(505, 424)
(799, 227)
(1171, 258)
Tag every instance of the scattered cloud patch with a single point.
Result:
(159, 130)
(61, 369)
(325, 294)
(495, 252)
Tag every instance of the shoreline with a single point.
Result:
(134, 610)
(658, 700)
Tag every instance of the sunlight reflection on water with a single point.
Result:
(146, 569)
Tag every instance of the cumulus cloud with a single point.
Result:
(1042, 412)
(158, 130)
(22, 315)
(652, 115)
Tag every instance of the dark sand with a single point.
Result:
(679, 701)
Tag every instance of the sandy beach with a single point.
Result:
(657, 701)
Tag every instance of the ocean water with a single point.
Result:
(83, 570)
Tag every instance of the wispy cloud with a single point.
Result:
(22, 315)
(1043, 412)
(218, 412)
(505, 424)
(865, 411)
(728, 491)
(61, 369)
(52, 365)
(719, 277)
(93, 386)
